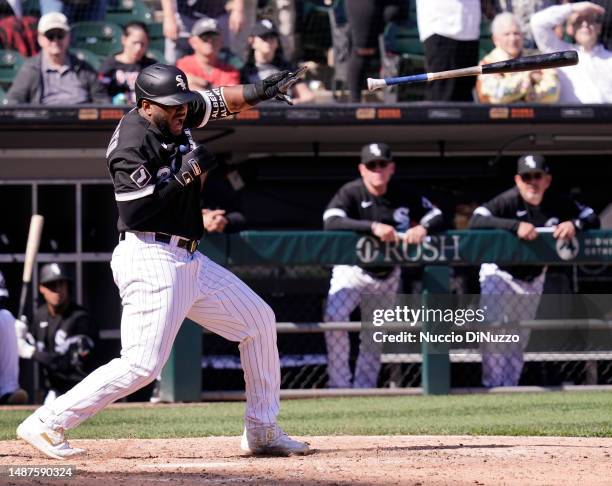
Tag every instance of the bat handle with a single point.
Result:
(374, 83)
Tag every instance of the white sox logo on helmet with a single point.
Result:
(180, 82)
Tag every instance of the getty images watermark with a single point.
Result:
(404, 315)
(545, 323)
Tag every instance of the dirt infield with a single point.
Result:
(414, 460)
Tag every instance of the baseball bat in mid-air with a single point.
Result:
(36, 225)
(527, 63)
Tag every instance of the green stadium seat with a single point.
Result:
(30, 7)
(156, 36)
(228, 57)
(129, 11)
(101, 38)
(88, 56)
(402, 54)
(10, 62)
(403, 40)
(486, 46)
(157, 55)
(316, 31)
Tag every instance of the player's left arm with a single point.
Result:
(222, 102)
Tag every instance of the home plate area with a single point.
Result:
(355, 460)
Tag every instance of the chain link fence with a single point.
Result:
(322, 343)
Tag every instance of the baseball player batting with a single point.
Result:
(158, 173)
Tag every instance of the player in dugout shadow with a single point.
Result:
(62, 336)
(526, 210)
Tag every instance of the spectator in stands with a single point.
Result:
(367, 19)
(285, 15)
(540, 86)
(17, 32)
(523, 10)
(10, 392)
(181, 15)
(204, 69)
(524, 210)
(450, 32)
(76, 11)
(266, 58)
(55, 77)
(591, 80)
(118, 73)
(64, 334)
(375, 205)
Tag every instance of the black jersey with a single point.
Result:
(353, 207)
(509, 209)
(54, 336)
(142, 161)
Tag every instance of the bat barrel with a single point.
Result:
(532, 63)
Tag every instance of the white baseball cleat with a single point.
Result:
(48, 441)
(272, 440)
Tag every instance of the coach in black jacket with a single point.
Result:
(55, 77)
(526, 210)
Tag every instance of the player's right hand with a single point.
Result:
(526, 231)
(195, 163)
(385, 232)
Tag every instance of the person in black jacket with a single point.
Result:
(374, 205)
(54, 76)
(526, 210)
(62, 334)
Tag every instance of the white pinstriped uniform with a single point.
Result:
(348, 286)
(161, 284)
(503, 295)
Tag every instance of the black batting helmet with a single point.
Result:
(163, 84)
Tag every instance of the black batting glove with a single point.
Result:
(193, 164)
(274, 86)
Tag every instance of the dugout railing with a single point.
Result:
(291, 270)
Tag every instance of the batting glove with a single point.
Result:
(274, 86)
(193, 164)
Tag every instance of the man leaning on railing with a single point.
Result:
(526, 210)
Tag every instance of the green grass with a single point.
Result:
(585, 414)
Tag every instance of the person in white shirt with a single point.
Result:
(450, 32)
(591, 80)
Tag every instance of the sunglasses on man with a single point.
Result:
(376, 164)
(532, 176)
(54, 35)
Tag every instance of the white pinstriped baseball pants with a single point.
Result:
(503, 295)
(161, 284)
(347, 287)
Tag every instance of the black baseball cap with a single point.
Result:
(263, 28)
(375, 151)
(53, 272)
(531, 163)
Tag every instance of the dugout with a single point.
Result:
(52, 161)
